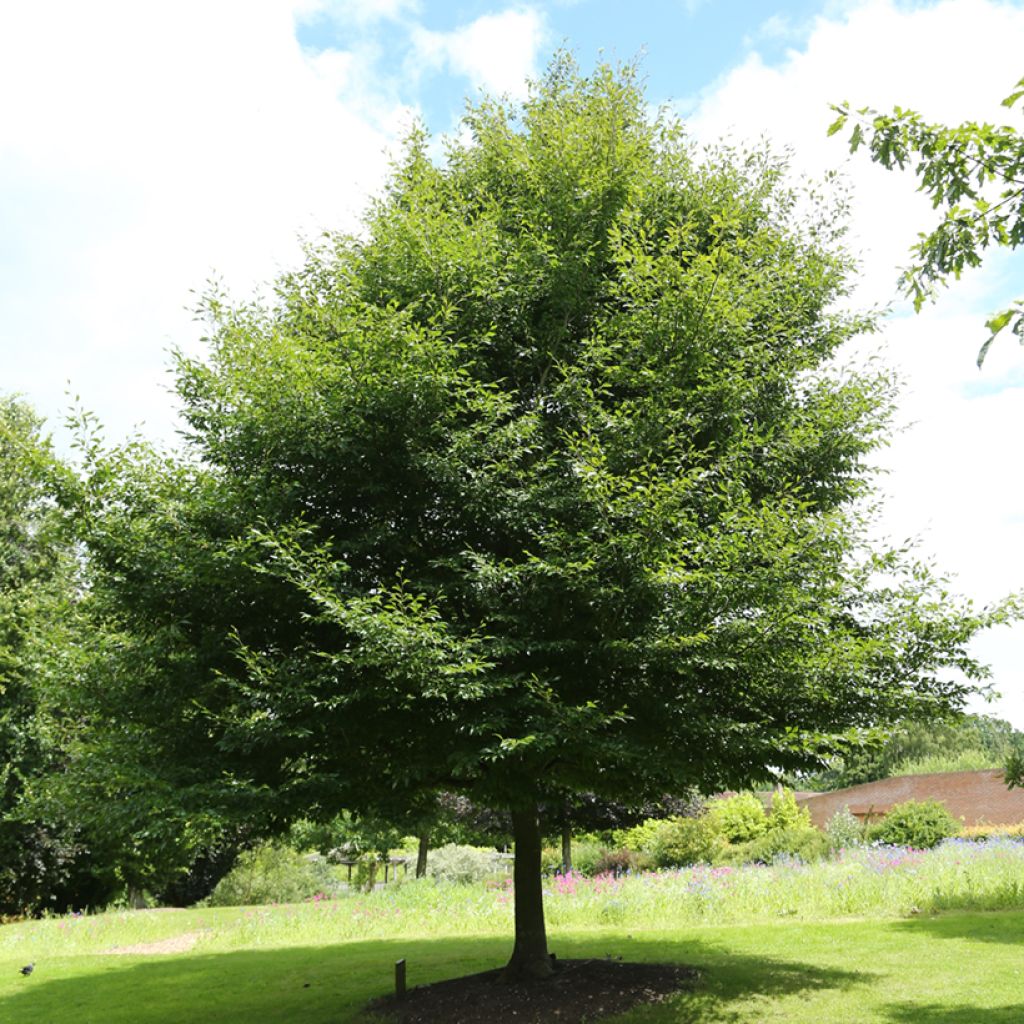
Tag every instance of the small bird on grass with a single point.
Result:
(27, 969)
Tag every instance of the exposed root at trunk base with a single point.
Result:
(521, 970)
(577, 991)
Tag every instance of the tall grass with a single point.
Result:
(865, 882)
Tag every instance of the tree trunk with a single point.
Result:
(566, 847)
(530, 958)
(421, 855)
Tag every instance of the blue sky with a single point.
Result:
(684, 46)
(148, 147)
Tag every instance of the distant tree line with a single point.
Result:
(966, 743)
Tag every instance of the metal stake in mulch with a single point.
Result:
(400, 978)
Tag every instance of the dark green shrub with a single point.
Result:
(202, 877)
(918, 823)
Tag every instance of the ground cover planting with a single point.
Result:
(877, 934)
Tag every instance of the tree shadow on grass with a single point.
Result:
(727, 977)
(1005, 926)
(915, 1013)
(332, 984)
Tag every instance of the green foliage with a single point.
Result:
(973, 172)
(550, 860)
(196, 881)
(683, 841)
(739, 818)
(844, 830)
(273, 873)
(752, 835)
(786, 814)
(619, 860)
(670, 842)
(452, 863)
(346, 835)
(807, 844)
(1013, 769)
(367, 871)
(920, 824)
(640, 838)
(587, 854)
(959, 761)
(970, 741)
(46, 860)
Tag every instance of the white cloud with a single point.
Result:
(151, 145)
(496, 52)
(777, 28)
(364, 11)
(952, 477)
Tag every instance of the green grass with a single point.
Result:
(926, 970)
(877, 936)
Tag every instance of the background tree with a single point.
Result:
(43, 857)
(966, 743)
(973, 172)
(547, 484)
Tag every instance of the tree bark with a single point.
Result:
(566, 847)
(530, 959)
(421, 855)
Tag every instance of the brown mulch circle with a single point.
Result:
(578, 991)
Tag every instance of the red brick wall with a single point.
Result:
(978, 798)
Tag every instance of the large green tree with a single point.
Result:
(974, 175)
(547, 483)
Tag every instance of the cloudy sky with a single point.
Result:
(146, 148)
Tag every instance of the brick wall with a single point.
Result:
(979, 798)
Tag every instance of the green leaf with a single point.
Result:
(1015, 95)
(999, 321)
(983, 351)
(838, 124)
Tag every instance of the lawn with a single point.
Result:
(953, 967)
(874, 934)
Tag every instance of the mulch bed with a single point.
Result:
(579, 991)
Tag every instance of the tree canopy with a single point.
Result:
(41, 856)
(548, 482)
(973, 172)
